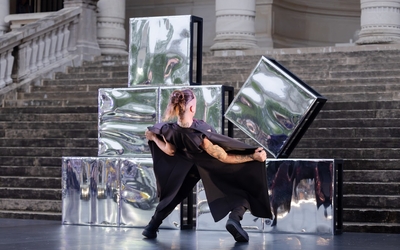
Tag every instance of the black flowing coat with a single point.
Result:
(227, 186)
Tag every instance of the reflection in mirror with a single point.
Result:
(159, 50)
(124, 115)
(209, 103)
(302, 198)
(271, 105)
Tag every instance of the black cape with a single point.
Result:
(226, 185)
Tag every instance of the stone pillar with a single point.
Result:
(110, 27)
(86, 44)
(380, 22)
(235, 25)
(4, 11)
(264, 23)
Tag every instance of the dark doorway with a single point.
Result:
(34, 6)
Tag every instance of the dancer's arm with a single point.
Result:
(220, 154)
(165, 146)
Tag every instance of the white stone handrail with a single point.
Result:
(37, 48)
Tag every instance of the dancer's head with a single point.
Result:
(181, 103)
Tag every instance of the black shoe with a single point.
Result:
(150, 231)
(236, 230)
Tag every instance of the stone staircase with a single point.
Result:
(358, 124)
(44, 123)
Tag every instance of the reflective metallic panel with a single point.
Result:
(76, 190)
(205, 221)
(301, 197)
(273, 107)
(124, 115)
(107, 190)
(111, 191)
(138, 198)
(209, 103)
(159, 50)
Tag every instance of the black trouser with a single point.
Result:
(237, 213)
(186, 189)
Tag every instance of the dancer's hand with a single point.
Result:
(149, 135)
(259, 155)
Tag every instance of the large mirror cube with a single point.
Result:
(274, 107)
(111, 191)
(210, 100)
(90, 190)
(124, 115)
(160, 50)
(305, 197)
(138, 196)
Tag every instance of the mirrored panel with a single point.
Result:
(76, 190)
(107, 190)
(138, 197)
(274, 107)
(302, 198)
(205, 221)
(159, 50)
(124, 115)
(111, 191)
(209, 103)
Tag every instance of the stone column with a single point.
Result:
(264, 23)
(380, 22)
(4, 11)
(110, 27)
(86, 44)
(235, 25)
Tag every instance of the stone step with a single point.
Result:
(49, 125)
(354, 132)
(50, 110)
(108, 71)
(50, 142)
(371, 164)
(355, 122)
(109, 60)
(30, 193)
(358, 88)
(344, 153)
(306, 59)
(75, 87)
(30, 171)
(311, 143)
(74, 102)
(30, 181)
(102, 81)
(66, 95)
(359, 114)
(51, 117)
(371, 215)
(51, 133)
(362, 96)
(360, 227)
(370, 176)
(47, 152)
(371, 201)
(350, 81)
(371, 188)
(352, 105)
(33, 161)
(30, 215)
(37, 205)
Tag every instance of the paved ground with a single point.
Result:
(18, 234)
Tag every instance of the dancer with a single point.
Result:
(233, 173)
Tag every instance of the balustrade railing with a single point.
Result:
(31, 51)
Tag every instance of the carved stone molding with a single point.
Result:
(380, 22)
